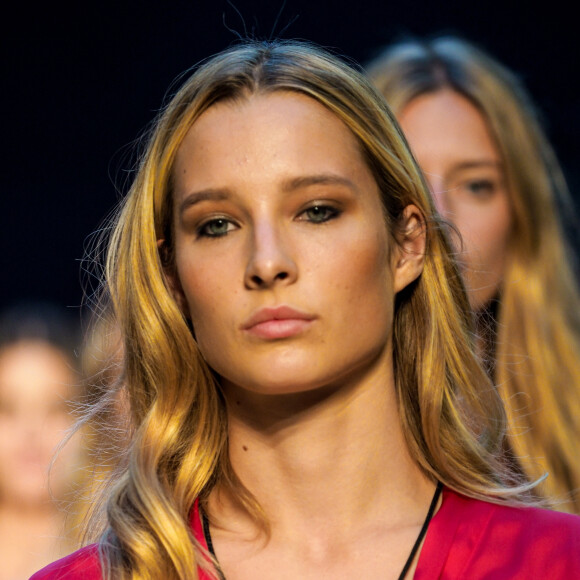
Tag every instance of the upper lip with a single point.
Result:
(277, 313)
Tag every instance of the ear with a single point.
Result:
(409, 253)
(172, 279)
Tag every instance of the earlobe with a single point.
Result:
(409, 256)
(172, 279)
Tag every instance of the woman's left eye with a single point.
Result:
(319, 213)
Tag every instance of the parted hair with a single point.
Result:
(537, 325)
(451, 415)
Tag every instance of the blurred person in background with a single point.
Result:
(494, 176)
(38, 379)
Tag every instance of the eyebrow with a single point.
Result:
(319, 179)
(288, 186)
(204, 195)
(476, 164)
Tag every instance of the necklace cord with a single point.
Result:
(422, 532)
(209, 542)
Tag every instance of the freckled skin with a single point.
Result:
(250, 149)
(454, 147)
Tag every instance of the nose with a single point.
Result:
(440, 202)
(31, 428)
(270, 261)
(439, 195)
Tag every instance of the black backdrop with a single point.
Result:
(81, 82)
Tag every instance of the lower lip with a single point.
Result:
(273, 329)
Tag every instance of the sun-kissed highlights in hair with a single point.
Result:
(537, 341)
(451, 415)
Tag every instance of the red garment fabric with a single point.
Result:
(467, 539)
(83, 564)
(478, 540)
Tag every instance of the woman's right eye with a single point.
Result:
(215, 228)
(480, 188)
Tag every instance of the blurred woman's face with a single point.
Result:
(283, 259)
(35, 384)
(452, 143)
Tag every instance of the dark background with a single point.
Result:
(80, 83)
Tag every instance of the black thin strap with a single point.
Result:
(423, 530)
(208, 540)
(207, 534)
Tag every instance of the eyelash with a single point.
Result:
(329, 212)
(480, 187)
(203, 231)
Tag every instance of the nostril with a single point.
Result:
(259, 281)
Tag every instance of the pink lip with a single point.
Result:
(280, 322)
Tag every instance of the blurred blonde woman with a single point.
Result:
(305, 398)
(38, 384)
(493, 174)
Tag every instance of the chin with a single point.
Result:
(278, 382)
(30, 494)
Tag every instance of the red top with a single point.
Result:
(477, 540)
(466, 539)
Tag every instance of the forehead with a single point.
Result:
(280, 131)
(33, 369)
(446, 126)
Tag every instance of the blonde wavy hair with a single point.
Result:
(537, 334)
(452, 417)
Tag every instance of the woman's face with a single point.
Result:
(35, 383)
(453, 146)
(283, 259)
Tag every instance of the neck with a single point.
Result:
(30, 538)
(334, 458)
(38, 515)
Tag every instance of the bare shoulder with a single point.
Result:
(84, 564)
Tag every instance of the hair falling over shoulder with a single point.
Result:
(536, 347)
(453, 417)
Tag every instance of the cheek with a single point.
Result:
(486, 232)
(485, 244)
(356, 275)
(55, 429)
(8, 440)
(199, 282)
(363, 275)
(212, 296)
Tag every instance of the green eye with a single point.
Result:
(320, 213)
(215, 228)
(481, 188)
